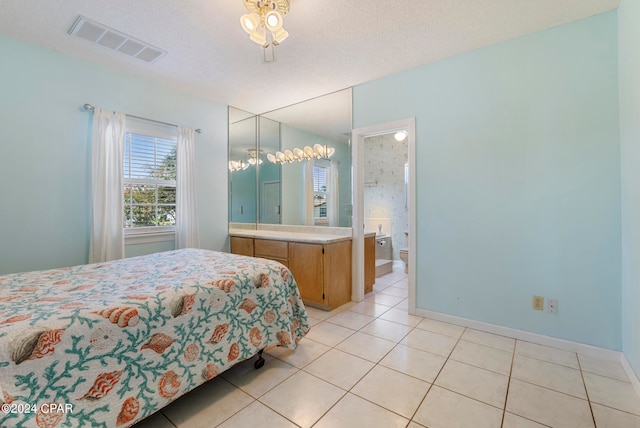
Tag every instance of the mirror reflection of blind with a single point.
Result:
(320, 192)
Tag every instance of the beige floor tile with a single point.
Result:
(414, 424)
(549, 375)
(493, 359)
(446, 409)
(302, 398)
(547, 407)
(306, 351)
(546, 353)
(366, 346)
(431, 342)
(369, 308)
(488, 339)
(401, 317)
(607, 417)
(384, 299)
(414, 362)
(386, 329)
(329, 334)
(314, 321)
(515, 421)
(157, 420)
(352, 411)
(339, 368)
(392, 390)
(207, 405)
(351, 320)
(257, 414)
(612, 369)
(319, 313)
(404, 305)
(256, 382)
(441, 327)
(612, 393)
(473, 382)
(395, 291)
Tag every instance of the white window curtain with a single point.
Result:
(309, 218)
(106, 240)
(333, 204)
(186, 207)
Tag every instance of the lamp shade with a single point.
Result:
(273, 21)
(279, 36)
(259, 35)
(250, 22)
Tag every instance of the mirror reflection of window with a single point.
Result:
(320, 193)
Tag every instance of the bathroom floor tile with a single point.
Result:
(493, 359)
(351, 320)
(366, 346)
(339, 368)
(549, 375)
(607, 417)
(306, 351)
(431, 342)
(157, 420)
(612, 369)
(256, 382)
(445, 409)
(384, 299)
(329, 334)
(488, 339)
(441, 327)
(395, 291)
(369, 308)
(392, 390)
(401, 317)
(546, 406)
(386, 330)
(515, 421)
(319, 313)
(414, 362)
(256, 411)
(353, 411)
(210, 404)
(546, 353)
(612, 393)
(302, 398)
(473, 382)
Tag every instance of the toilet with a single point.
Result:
(404, 256)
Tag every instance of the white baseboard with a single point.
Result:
(632, 374)
(567, 345)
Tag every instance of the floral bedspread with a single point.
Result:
(107, 344)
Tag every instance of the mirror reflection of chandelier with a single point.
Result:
(263, 22)
(318, 151)
(241, 165)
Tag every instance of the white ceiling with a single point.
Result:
(333, 44)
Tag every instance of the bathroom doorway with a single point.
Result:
(374, 184)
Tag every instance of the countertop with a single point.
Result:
(314, 238)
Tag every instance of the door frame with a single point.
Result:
(358, 136)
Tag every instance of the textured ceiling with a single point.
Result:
(333, 44)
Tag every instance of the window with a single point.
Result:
(320, 194)
(149, 177)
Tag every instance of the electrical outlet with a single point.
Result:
(552, 306)
(538, 303)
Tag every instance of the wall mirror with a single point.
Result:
(268, 184)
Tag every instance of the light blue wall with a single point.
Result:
(629, 74)
(45, 156)
(518, 179)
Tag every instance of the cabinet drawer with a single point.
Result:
(242, 246)
(272, 249)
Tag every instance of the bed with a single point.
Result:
(107, 344)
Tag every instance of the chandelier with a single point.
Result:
(263, 22)
(241, 165)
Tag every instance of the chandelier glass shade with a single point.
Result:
(264, 20)
(318, 151)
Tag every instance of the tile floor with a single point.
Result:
(372, 364)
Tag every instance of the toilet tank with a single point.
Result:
(383, 247)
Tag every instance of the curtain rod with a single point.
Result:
(90, 107)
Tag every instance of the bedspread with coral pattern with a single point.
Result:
(107, 344)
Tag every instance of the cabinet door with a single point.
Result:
(242, 246)
(306, 262)
(369, 263)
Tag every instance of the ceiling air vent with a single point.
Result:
(115, 40)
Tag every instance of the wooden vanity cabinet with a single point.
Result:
(322, 271)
